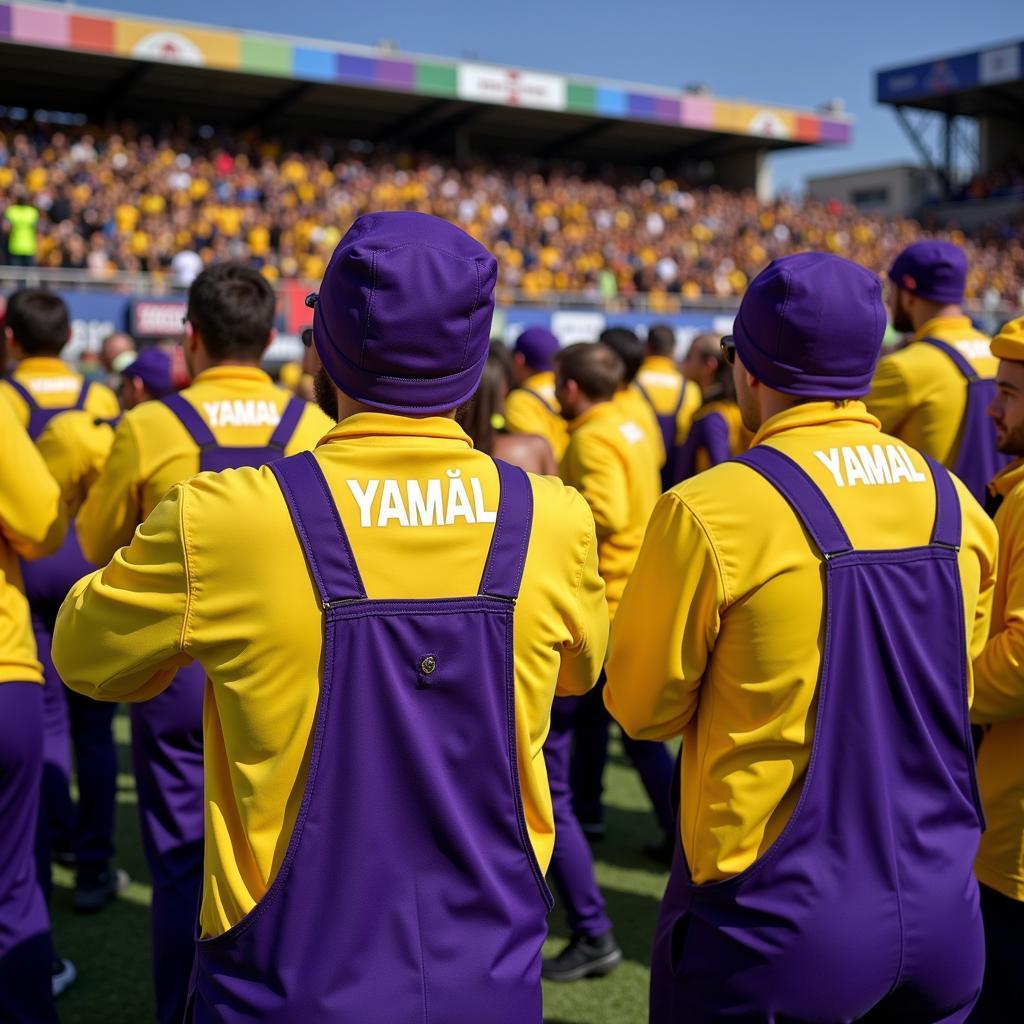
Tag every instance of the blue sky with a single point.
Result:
(783, 51)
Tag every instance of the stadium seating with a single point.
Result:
(118, 199)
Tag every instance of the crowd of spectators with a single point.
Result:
(1003, 182)
(118, 199)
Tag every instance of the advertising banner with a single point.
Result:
(510, 87)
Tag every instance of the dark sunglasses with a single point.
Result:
(729, 349)
(307, 334)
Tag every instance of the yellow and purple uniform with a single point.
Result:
(152, 450)
(609, 461)
(533, 409)
(670, 392)
(999, 701)
(31, 525)
(920, 396)
(739, 436)
(728, 569)
(75, 446)
(634, 407)
(55, 385)
(197, 581)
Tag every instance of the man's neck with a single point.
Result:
(936, 313)
(201, 364)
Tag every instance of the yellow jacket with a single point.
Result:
(152, 451)
(920, 396)
(718, 637)
(55, 385)
(216, 574)
(661, 380)
(533, 409)
(633, 406)
(31, 525)
(609, 462)
(75, 446)
(999, 701)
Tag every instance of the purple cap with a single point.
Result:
(811, 325)
(153, 366)
(933, 269)
(403, 319)
(538, 347)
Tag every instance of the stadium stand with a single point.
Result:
(118, 198)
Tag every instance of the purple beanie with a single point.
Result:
(933, 269)
(403, 318)
(153, 366)
(538, 347)
(811, 325)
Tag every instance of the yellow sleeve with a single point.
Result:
(600, 481)
(889, 398)
(74, 451)
(121, 631)
(999, 668)
(32, 517)
(109, 515)
(583, 657)
(666, 626)
(16, 403)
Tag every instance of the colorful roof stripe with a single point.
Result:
(43, 24)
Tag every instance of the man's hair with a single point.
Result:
(630, 349)
(661, 340)
(596, 368)
(39, 321)
(232, 307)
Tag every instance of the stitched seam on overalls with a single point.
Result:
(423, 959)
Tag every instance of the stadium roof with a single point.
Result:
(110, 65)
(989, 81)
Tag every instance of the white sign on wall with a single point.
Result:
(486, 83)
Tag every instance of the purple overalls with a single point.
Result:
(70, 720)
(167, 756)
(709, 434)
(977, 458)
(867, 901)
(409, 891)
(668, 422)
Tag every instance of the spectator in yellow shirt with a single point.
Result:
(933, 394)
(372, 753)
(531, 407)
(999, 704)
(629, 398)
(804, 617)
(31, 525)
(673, 397)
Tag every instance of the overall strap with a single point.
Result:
(682, 398)
(803, 495)
(540, 398)
(321, 534)
(26, 395)
(647, 397)
(959, 359)
(285, 429)
(83, 394)
(503, 571)
(190, 419)
(947, 530)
